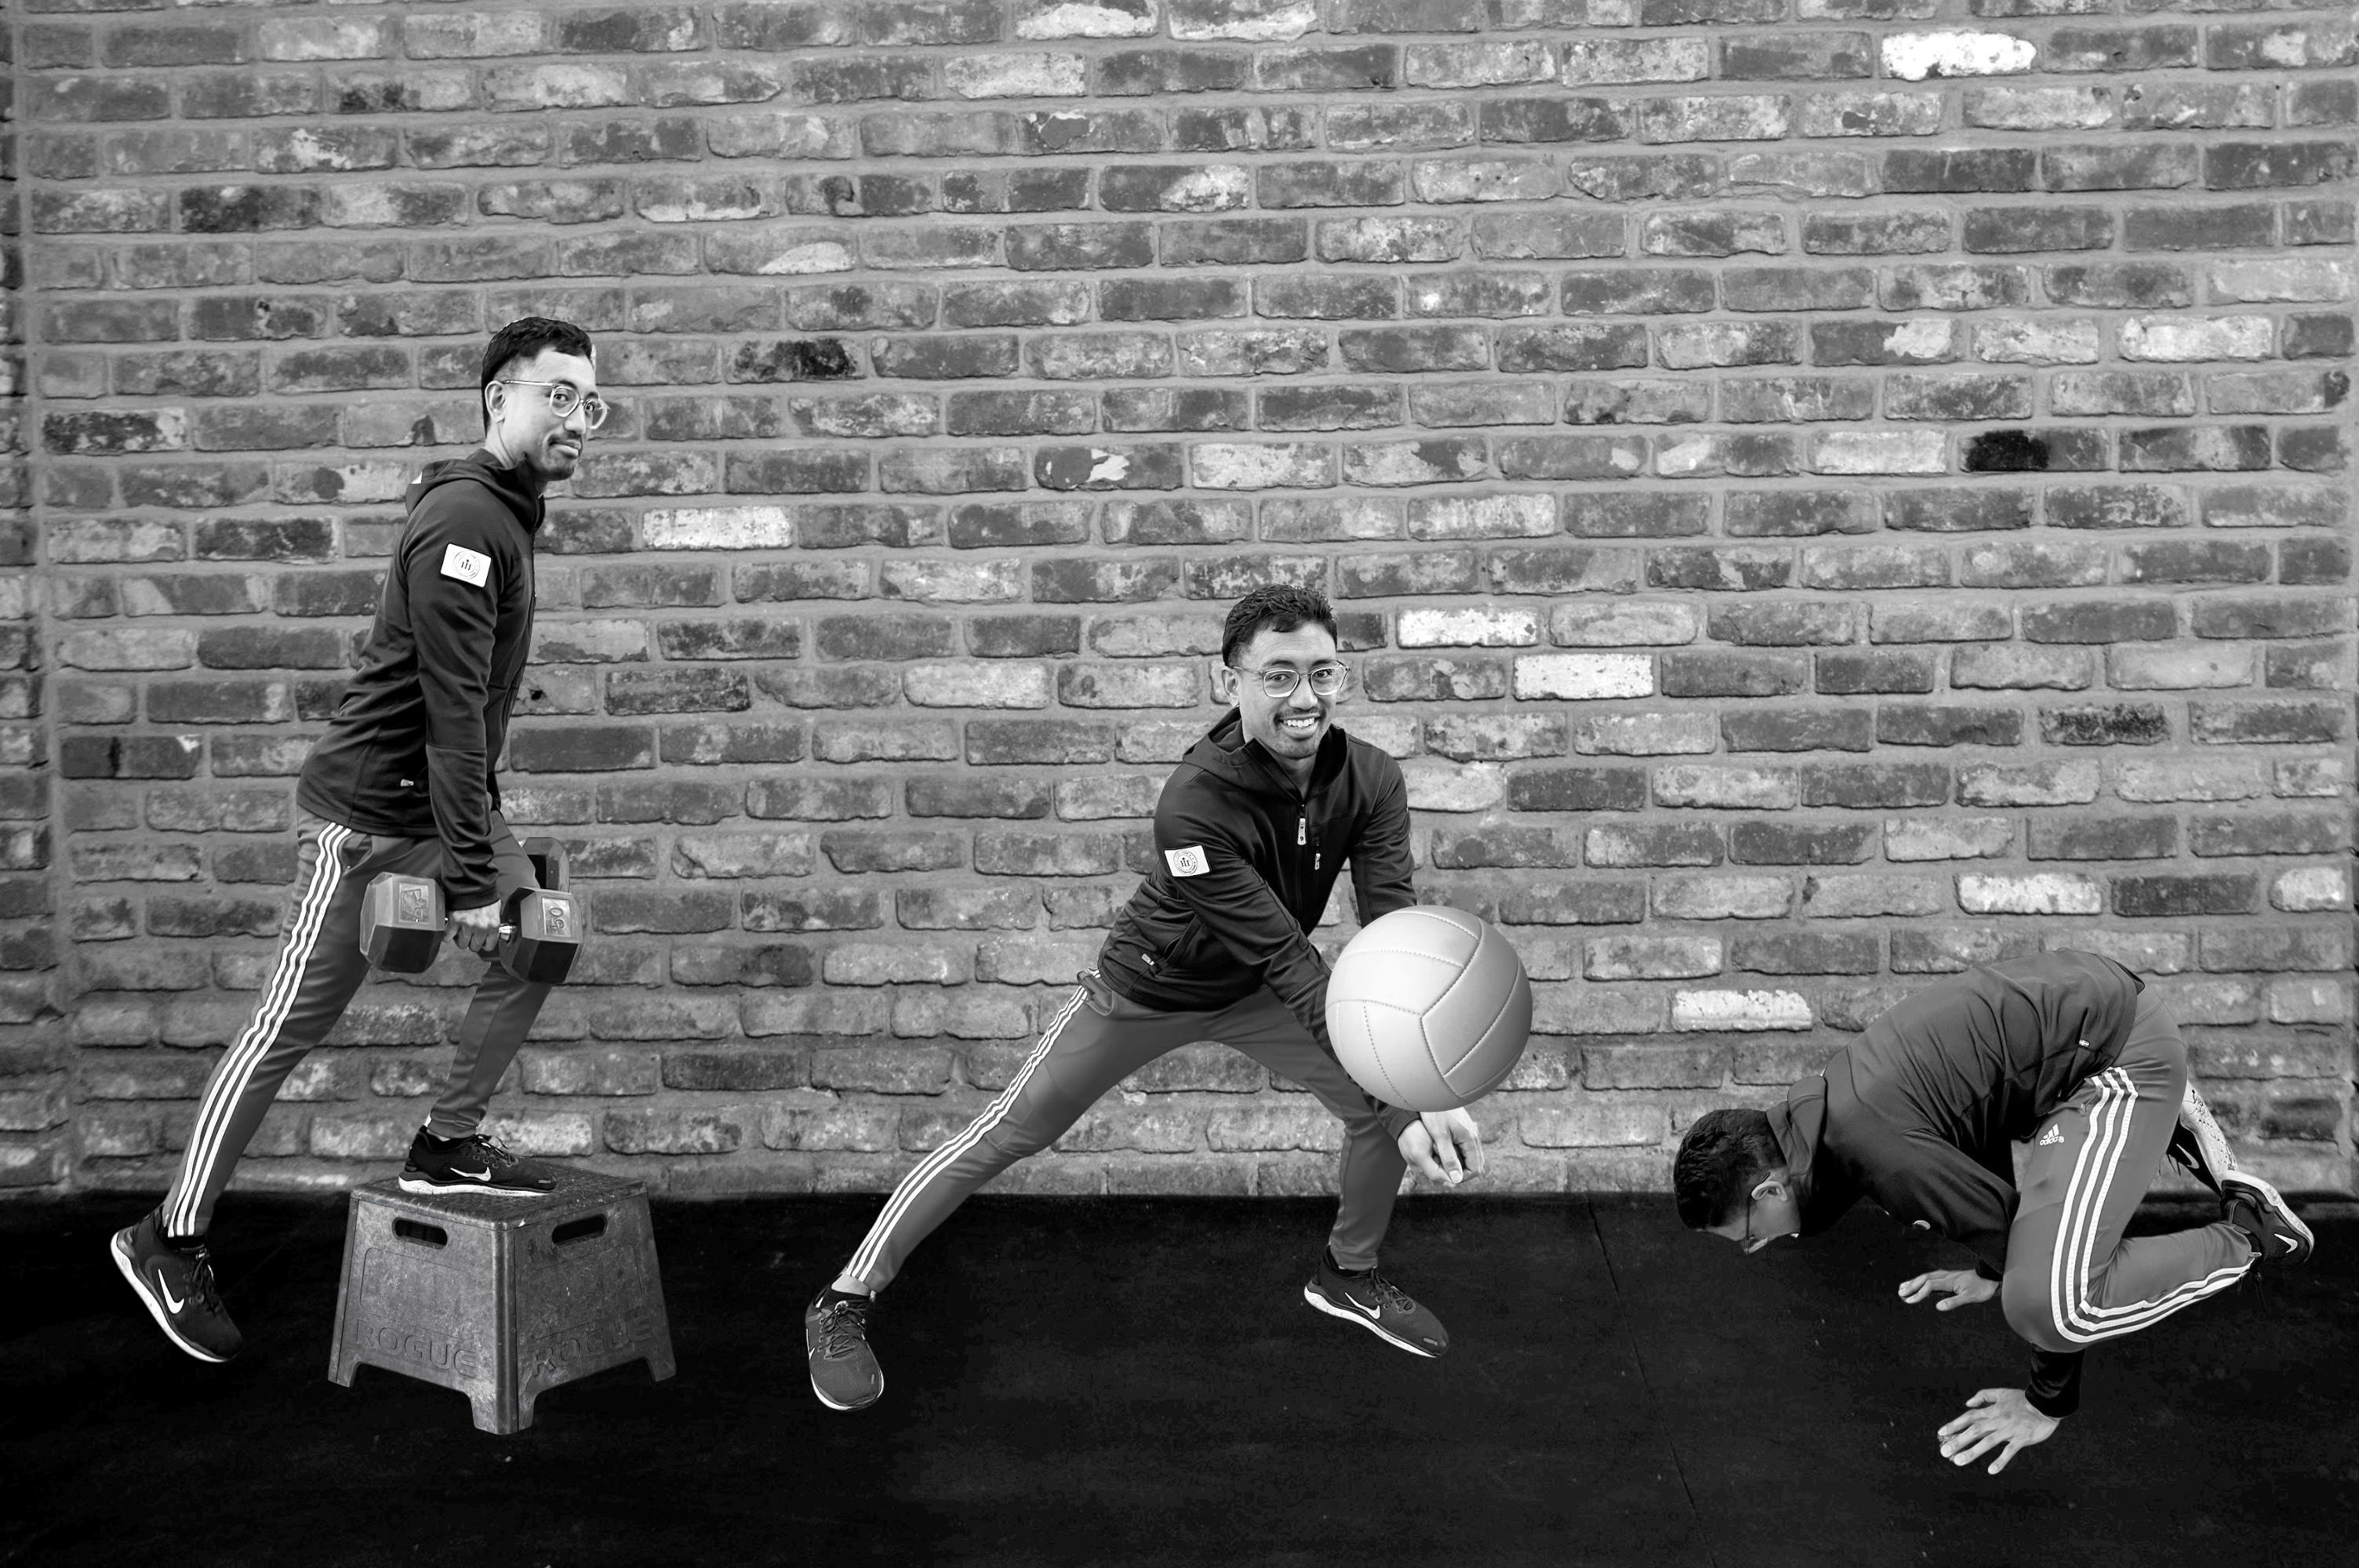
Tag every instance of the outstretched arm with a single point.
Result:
(1381, 863)
(1213, 871)
(452, 568)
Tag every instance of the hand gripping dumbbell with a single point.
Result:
(402, 920)
(541, 928)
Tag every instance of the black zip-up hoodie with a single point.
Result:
(1919, 1114)
(410, 751)
(1245, 861)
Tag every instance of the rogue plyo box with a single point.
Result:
(500, 1299)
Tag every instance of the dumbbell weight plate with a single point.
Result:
(540, 937)
(548, 858)
(402, 923)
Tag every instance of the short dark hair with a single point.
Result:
(523, 338)
(1724, 1157)
(1278, 606)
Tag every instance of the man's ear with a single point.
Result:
(1225, 684)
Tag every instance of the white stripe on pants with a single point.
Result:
(229, 1080)
(1083, 1056)
(934, 1163)
(2072, 1298)
(2073, 1278)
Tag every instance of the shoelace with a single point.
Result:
(492, 1153)
(841, 1328)
(201, 1278)
(1389, 1297)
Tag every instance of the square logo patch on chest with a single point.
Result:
(1186, 862)
(466, 564)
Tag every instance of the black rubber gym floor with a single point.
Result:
(1137, 1381)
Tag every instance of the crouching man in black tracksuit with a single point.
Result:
(2065, 1052)
(1249, 835)
(402, 781)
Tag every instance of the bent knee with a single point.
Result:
(2030, 1312)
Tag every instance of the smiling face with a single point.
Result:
(523, 431)
(1289, 728)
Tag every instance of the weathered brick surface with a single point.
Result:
(1822, 494)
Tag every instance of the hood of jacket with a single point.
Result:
(1801, 1126)
(1226, 752)
(479, 465)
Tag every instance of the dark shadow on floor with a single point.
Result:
(1137, 1381)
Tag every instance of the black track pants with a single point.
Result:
(1096, 1039)
(319, 967)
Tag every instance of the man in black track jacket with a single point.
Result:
(2066, 1053)
(1251, 832)
(403, 782)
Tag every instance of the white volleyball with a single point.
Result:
(1429, 1007)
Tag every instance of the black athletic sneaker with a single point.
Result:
(1378, 1305)
(177, 1284)
(844, 1369)
(2256, 1209)
(472, 1164)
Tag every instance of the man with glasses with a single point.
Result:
(1252, 830)
(2070, 1057)
(403, 782)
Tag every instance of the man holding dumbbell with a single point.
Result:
(400, 792)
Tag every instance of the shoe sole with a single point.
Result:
(1310, 1294)
(2280, 1210)
(129, 1269)
(2207, 1159)
(425, 1188)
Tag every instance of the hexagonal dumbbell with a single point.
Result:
(541, 928)
(402, 921)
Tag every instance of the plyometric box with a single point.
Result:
(501, 1298)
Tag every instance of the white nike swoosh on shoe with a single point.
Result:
(119, 1247)
(2291, 1245)
(482, 1175)
(1374, 1313)
(170, 1299)
(1320, 1300)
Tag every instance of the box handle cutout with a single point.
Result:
(426, 1235)
(579, 1229)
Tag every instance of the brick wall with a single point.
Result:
(1821, 492)
(33, 1103)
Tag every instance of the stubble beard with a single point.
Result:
(552, 464)
(1303, 744)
